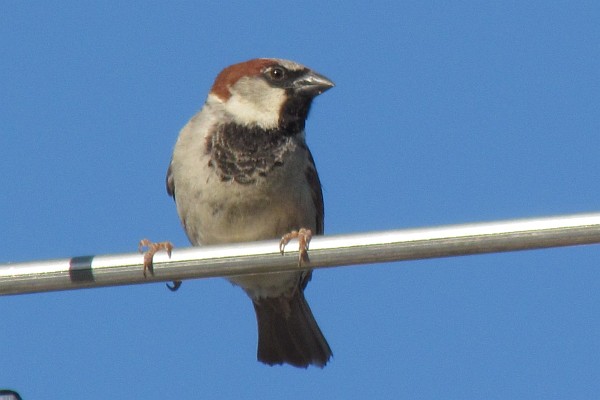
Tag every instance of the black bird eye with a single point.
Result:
(277, 73)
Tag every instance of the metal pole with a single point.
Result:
(325, 251)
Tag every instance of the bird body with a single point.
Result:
(241, 171)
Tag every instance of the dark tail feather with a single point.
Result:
(288, 332)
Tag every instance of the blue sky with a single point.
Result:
(444, 112)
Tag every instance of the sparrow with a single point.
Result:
(241, 171)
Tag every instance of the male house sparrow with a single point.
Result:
(241, 171)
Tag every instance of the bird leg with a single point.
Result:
(151, 249)
(303, 235)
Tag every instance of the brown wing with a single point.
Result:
(312, 178)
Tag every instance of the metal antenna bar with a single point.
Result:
(325, 251)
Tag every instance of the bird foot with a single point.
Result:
(151, 249)
(303, 235)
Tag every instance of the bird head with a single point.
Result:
(268, 92)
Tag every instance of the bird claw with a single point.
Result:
(175, 287)
(303, 235)
(151, 249)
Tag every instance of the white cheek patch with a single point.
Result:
(255, 103)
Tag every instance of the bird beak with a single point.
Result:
(312, 84)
